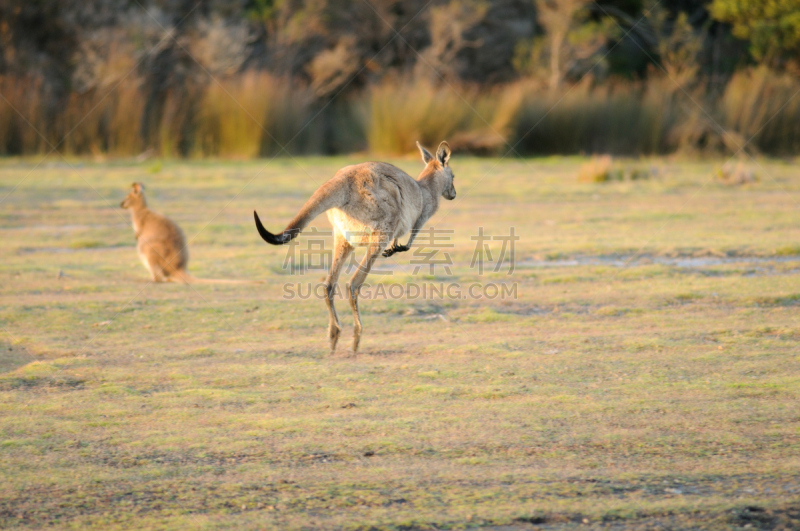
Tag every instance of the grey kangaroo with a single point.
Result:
(370, 204)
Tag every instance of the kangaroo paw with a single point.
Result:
(396, 249)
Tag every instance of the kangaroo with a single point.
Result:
(370, 204)
(160, 242)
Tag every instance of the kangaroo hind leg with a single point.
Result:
(373, 251)
(341, 252)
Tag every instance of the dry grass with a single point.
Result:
(655, 395)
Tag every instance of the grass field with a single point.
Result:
(646, 375)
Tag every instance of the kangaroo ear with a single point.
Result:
(443, 153)
(138, 187)
(426, 155)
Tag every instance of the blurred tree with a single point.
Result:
(475, 40)
(264, 12)
(558, 18)
(677, 44)
(772, 27)
(574, 36)
(449, 24)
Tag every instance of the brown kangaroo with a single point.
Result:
(370, 204)
(161, 244)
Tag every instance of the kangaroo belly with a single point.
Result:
(144, 260)
(359, 232)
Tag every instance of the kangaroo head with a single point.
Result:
(438, 165)
(135, 198)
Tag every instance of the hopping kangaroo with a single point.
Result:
(160, 242)
(370, 204)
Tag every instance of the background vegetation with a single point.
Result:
(263, 77)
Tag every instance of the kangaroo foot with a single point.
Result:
(334, 332)
(356, 338)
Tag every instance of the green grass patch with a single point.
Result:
(635, 379)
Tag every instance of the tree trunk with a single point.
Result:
(556, 76)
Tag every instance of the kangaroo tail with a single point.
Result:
(323, 199)
(188, 278)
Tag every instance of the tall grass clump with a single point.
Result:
(624, 119)
(122, 118)
(231, 116)
(288, 120)
(102, 121)
(404, 111)
(251, 114)
(21, 116)
(761, 104)
(92, 122)
(491, 124)
(246, 115)
(663, 109)
(257, 114)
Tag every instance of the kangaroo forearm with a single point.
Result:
(416, 228)
(395, 247)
